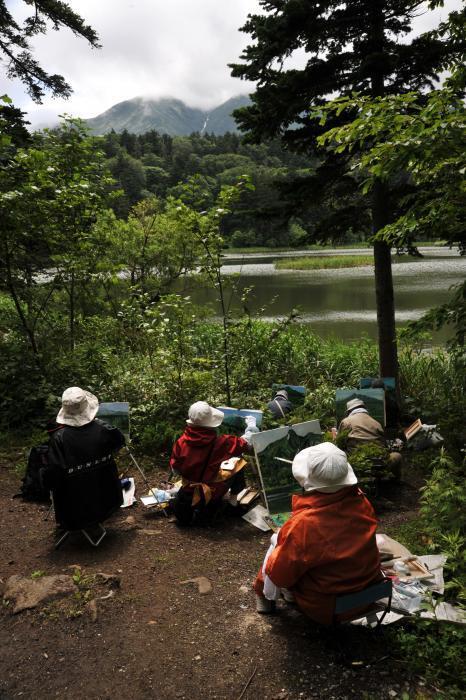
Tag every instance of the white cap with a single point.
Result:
(79, 407)
(324, 468)
(204, 416)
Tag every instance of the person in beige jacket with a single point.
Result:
(362, 428)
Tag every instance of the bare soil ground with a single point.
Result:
(157, 638)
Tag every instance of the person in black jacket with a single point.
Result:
(81, 471)
(280, 405)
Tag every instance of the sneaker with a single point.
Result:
(287, 595)
(264, 606)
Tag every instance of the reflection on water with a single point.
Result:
(340, 302)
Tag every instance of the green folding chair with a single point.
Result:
(376, 594)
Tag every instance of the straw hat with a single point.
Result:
(324, 468)
(202, 415)
(78, 407)
(354, 403)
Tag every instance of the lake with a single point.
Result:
(340, 302)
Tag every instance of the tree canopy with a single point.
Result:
(15, 44)
(355, 46)
(352, 46)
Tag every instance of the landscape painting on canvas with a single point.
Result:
(276, 477)
(115, 413)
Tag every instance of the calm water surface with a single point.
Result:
(341, 302)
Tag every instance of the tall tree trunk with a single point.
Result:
(388, 354)
(385, 302)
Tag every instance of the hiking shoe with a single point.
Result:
(264, 606)
(287, 596)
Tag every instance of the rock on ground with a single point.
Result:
(28, 593)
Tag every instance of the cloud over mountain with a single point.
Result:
(167, 116)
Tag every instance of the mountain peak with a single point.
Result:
(167, 115)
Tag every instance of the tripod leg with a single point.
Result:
(149, 487)
(60, 541)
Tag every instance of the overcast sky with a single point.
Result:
(153, 48)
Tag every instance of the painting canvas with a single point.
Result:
(373, 398)
(296, 394)
(115, 413)
(276, 477)
(234, 421)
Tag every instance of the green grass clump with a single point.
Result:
(324, 263)
(334, 262)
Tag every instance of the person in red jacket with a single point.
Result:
(197, 456)
(328, 547)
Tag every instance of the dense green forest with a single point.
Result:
(271, 213)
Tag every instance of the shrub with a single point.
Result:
(433, 650)
(365, 460)
(433, 389)
(243, 239)
(443, 513)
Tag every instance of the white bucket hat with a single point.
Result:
(78, 407)
(204, 416)
(324, 468)
(354, 403)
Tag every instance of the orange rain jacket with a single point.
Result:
(327, 548)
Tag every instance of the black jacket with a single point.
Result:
(285, 405)
(82, 473)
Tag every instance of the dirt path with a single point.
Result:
(156, 638)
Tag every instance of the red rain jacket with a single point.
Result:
(327, 548)
(192, 449)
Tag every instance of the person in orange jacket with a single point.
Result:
(328, 547)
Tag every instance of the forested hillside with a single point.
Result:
(167, 116)
(276, 212)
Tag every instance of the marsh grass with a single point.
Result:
(335, 262)
(331, 262)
